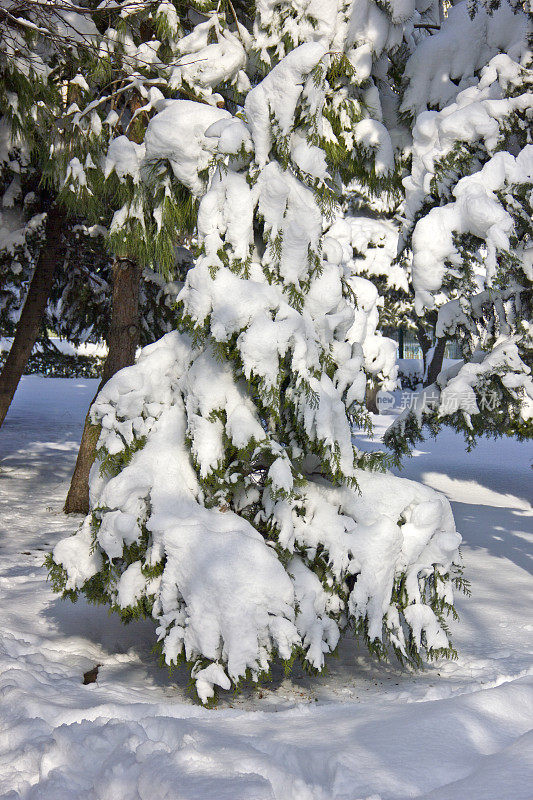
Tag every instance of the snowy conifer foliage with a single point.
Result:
(359, 107)
(468, 205)
(381, 286)
(229, 502)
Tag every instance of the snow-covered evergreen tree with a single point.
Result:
(39, 43)
(156, 52)
(362, 136)
(24, 92)
(21, 234)
(468, 233)
(229, 502)
(75, 82)
(438, 56)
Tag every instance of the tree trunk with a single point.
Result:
(425, 343)
(400, 343)
(33, 310)
(436, 362)
(371, 397)
(122, 341)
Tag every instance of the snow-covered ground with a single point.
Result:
(459, 730)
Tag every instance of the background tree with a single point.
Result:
(469, 209)
(442, 63)
(437, 56)
(40, 46)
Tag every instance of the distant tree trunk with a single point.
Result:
(435, 365)
(33, 310)
(433, 355)
(122, 341)
(400, 343)
(425, 343)
(371, 397)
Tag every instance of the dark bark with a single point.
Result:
(370, 399)
(436, 352)
(436, 362)
(122, 341)
(424, 341)
(27, 331)
(400, 343)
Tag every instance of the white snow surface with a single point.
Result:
(456, 731)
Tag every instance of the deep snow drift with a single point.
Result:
(457, 730)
